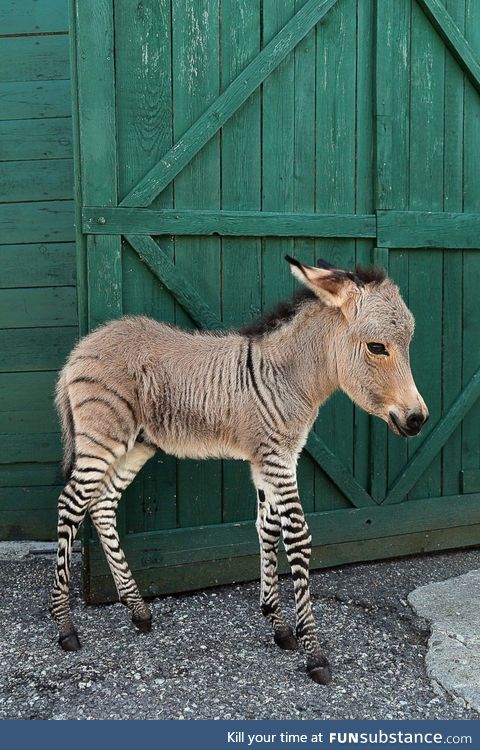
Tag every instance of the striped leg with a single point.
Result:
(269, 530)
(72, 507)
(281, 481)
(103, 514)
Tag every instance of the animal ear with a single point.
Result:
(332, 285)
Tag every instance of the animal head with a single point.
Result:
(372, 332)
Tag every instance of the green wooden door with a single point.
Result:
(213, 139)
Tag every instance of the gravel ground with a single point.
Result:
(210, 654)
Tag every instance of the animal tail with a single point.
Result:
(64, 408)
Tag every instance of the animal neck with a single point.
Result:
(305, 347)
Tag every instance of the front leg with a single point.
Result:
(281, 481)
(269, 531)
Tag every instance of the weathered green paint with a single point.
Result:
(27, 350)
(229, 167)
(27, 99)
(33, 17)
(35, 58)
(48, 179)
(98, 220)
(228, 102)
(49, 138)
(38, 305)
(455, 41)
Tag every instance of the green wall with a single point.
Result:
(38, 310)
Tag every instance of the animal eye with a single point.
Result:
(376, 348)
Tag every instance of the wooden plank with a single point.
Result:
(471, 260)
(241, 190)
(33, 17)
(220, 541)
(34, 58)
(49, 179)
(335, 160)
(338, 472)
(98, 169)
(36, 139)
(30, 349)
(303, 199)
(184, 292)
(428, 229)
(39, 221)
(30, 389)
(239, 223)
(364, 195)
(435, 441)
(30, 474)
(25, 100)
(426, 194)
(80, 240)
(392, 126)
(41, 447)
(37, 525)
(51, 264)
(443, 22)
(145, 119)
(156, 581)
(470, 479)
(453, 261)
(104, 264)
(392, 105)
(38, 307)
(195, 37)
(223, 107)
(241, 560)
(29, 423)
(96, 94)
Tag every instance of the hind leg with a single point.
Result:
(71, 512)
(93, 458)
(103, 514)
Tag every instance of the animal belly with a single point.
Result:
(199, 449)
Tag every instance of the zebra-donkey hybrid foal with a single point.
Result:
(136, 385)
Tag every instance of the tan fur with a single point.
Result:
(189, 392)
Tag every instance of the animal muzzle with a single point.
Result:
(409, 424)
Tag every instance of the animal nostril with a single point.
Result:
(415, 420)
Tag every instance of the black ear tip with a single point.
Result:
(293, 261)
(321, 263)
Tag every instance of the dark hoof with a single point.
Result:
(286, 640)
(320, 672)
(144, 625)
(70, 642)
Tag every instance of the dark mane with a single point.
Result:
(278, 316)
(283, 312)
(370, 274)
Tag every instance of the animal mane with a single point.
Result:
(282, 313)
(370, 274)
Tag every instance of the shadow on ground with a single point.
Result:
(210, 654)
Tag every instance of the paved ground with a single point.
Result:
(453, 610)
(210, 654)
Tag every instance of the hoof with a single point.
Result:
(286, 640)
(144, 625)
(70, 642)
(320, 672)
